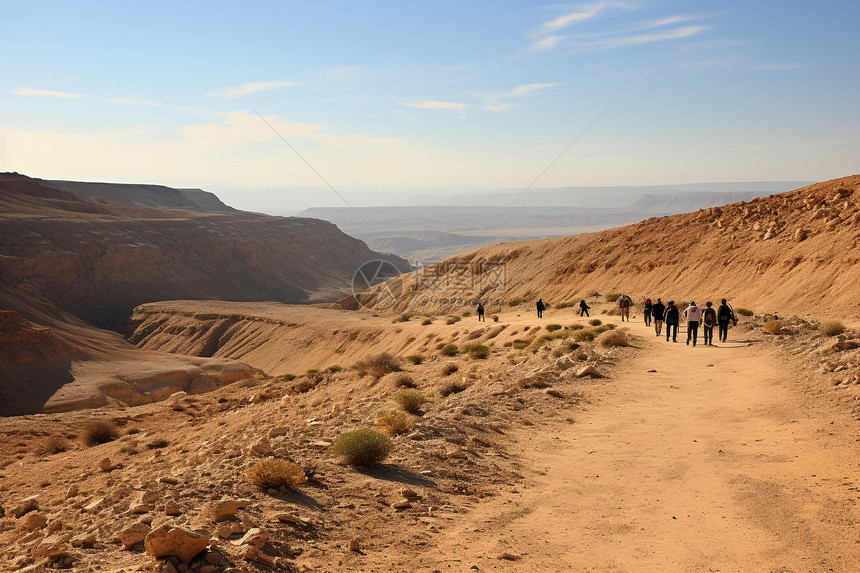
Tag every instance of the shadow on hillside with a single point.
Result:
(297, 497)
(391, 472)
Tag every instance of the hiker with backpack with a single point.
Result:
(481, 312)
(657, 311)
(693, 314)
(624, 304)
(725, 315)
(540, 307)
(646, 312)
(583, 308)
(709, 321)
(672, 317)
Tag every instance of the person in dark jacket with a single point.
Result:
(646, 312)
(657, 312)
(709, 321)
(672, 317)
(583, 308)
(725, 315)
(481, 312)
(540, 307)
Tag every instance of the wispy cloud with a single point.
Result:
(641, 39)
(571, 18)
(45, 93)
(495, 101)
(254, 87)
(441, 105)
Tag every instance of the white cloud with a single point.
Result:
(572, 18)
(45, 93)
(546, 44)
(494, 102)
(254, 88)
(641, 39)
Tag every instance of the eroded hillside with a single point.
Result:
(794, 252)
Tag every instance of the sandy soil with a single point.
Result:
(692, 459)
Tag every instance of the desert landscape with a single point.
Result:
(194, 423)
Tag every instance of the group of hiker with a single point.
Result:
(670, 315)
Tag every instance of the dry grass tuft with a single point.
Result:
(740, 311)
(394, 423)
(553, 327)
(452, 387)
(611, 338)
(832, 327)
(449, 369)
(378, 365)
(99, 432)
(773, 327)
(415, 359)
(403, 381)
(272, 473)
(410, 400)
(363, 447)
(54, 445)
(449, 350)
(595, 322)
(476, 351)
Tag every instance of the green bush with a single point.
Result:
(595, 322)
(404, 381)
(832, 327)
(272, 473)
(410, 400)
(574, 327)
(335, 368)
(743, 311)
(553, 327)
(450, 350)
(612, 297)
(362, 447)
(415, 359)
(449, 369)
(394, 423)
(520, 344)
(584, 334)
(476, 351)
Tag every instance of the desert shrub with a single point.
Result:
(286, 377)
(157, 444)
(394, 423)
(362, 447)
(743, 311)
(571, 346)
(515, 302)
(574, 327)
(54, 445)
(99, 432)
(301, 386)
(426, 322)
(415, 359)
(272, 473)
(610, 338)
(410, 400)
(565, 304)
(584, 334)
(403, 381)
(476, 351)
(453, 320)
(495, 318)
(520, 344)
(610, 326)
(595, 322)
(612, 297)
(449, 350)
(378, 365)
(335, 368)
(403, 317)
(553, 327)
(449, 369)
(312, 372)
(451, 387)
(773, 326)
(832, 327)
(467, 313)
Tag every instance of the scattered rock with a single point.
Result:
(509, 556)
(166, 541)
(261, 447)
(168, 480)
(354, 546)
(171, 508)
(25, 507)
(133, 534)
(401, 503)
(590, 371)
(72, 491)
(106, 465)
(94, 506)
(34, 521)
(222, 510)
(255, 537)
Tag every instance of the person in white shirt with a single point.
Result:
(693, 314)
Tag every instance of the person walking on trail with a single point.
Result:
(672, 317)
(481, 312)
(693, 314)
(657, 311)
(725, 315)
(646, 312)
(540, 307)
(583, 308)
(709, 321)
(624, 305)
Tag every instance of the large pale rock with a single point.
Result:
(34, 521)
(166, 541)
(590, 371)
(133, 534)
(255, 537)
(222, 510)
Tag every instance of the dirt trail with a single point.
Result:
(718, 461)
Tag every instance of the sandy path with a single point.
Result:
(715, 462)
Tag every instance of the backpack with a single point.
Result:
(725, 314)
(623, 303)
(709, 317)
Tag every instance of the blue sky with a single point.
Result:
(438, 94)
